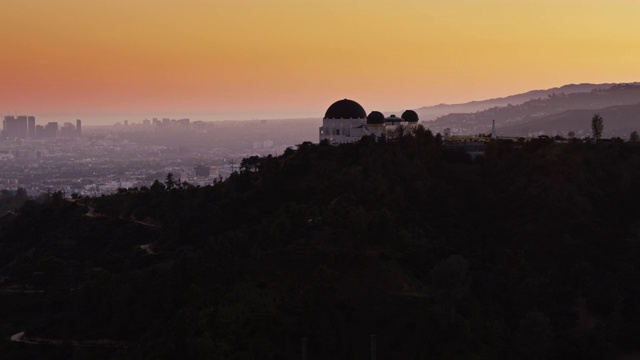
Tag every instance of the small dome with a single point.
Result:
(393, 119)
(410, 116)
(375, 117)
(345, 109)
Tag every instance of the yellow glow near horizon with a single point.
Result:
(290, 57)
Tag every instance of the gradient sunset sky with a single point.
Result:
(231, 59)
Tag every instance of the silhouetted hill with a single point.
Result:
(619, 121)
(535, 109)
(527, 252)
(428, 113)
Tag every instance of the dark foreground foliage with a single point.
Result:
(529, 252)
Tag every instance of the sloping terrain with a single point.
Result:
(531, 249)
(532, 111)
(428, 113)
(619, 121)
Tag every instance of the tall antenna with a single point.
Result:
(304, 348)
(493, 130)
(373, 347)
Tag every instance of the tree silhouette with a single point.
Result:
(157, 186)
(170, 182)
(232, 163)
(597, 125)
(634, 137)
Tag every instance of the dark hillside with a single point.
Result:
(619, 121)
(526, 116)
(428, 113)
(528, 252)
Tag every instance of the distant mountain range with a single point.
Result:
(618, 120)
(428, 113)
(554, 111)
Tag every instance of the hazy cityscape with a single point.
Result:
(95, 160)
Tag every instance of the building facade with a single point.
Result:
(15, 127)
(346, 121)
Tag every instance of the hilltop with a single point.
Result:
(535, 115)
(619, 121)
(428, 113)
(530, 250)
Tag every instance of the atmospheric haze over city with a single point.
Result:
(108, 63)
(280, 179)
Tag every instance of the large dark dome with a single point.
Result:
(375, 117)
(345, 109)
(410, 116)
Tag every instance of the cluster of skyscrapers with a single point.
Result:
(24, 127)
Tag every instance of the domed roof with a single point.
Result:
(392, 119)
(345, 109)
(375, 117)
(410, 116)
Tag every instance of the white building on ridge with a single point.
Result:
(346, 121)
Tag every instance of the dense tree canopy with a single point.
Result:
(529, 251)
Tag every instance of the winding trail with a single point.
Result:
(19, 337)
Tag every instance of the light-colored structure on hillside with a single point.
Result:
(346, 121)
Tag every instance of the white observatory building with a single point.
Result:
(346, 121)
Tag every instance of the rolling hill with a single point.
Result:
(530, 249)
(519, 120)
(428, 113)
(619, 121)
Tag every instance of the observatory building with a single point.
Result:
(346, 121)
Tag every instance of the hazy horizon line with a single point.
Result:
(105, 119)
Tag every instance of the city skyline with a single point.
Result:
(215, 60)
(26, 127)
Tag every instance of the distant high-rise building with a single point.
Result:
(79, 127)
(50, 130)
(22, 127)
(146, 122)
(68, 130)
(6, 126)
(32, 127)
(39, 131)
(15, 127)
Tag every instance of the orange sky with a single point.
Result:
(281, 58)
